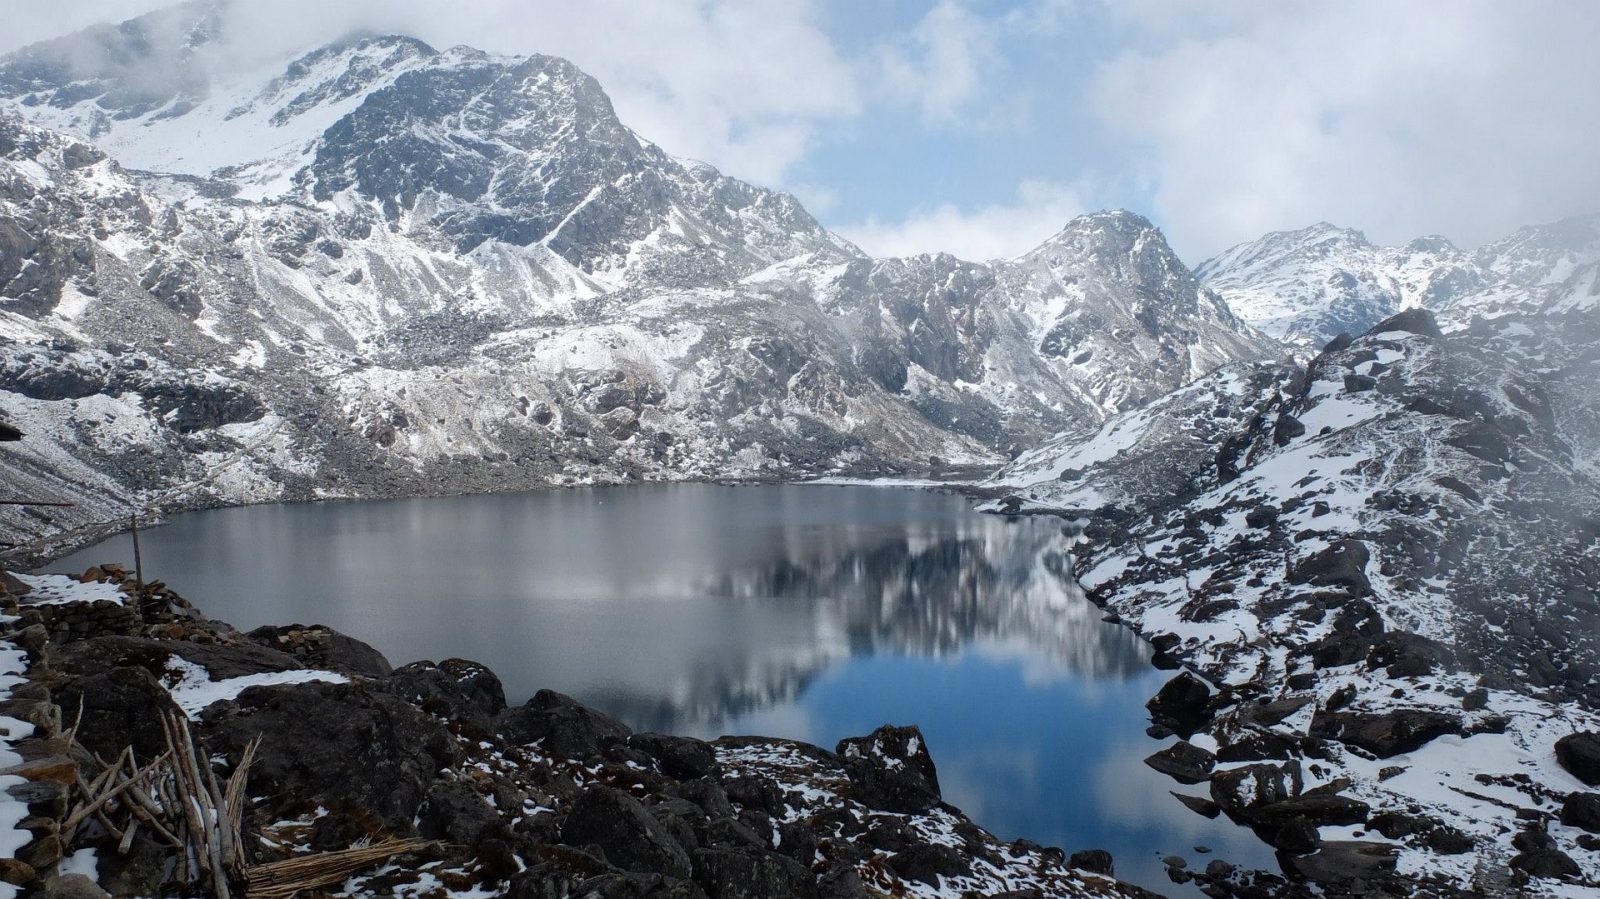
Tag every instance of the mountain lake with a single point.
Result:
(803, 611)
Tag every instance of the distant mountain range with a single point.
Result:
(1310, 285)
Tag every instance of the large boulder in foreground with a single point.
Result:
(121, 707)
(345, 746)
(1579, 753)
(891, 770)
(625, 831)
(1184, 762)
(561, 725)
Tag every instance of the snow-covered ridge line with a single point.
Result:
(1308, 286)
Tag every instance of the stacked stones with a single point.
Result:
(45, 767)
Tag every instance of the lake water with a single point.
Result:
(803, 611)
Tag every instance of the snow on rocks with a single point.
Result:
(193, 689)
(1365, 566)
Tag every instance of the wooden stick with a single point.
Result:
(138, 558)
(78, 816)
(127, 838)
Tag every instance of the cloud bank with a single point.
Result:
(1462, 117)
(1220, 121)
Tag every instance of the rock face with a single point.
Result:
(406, 270)
(547, 799)
(1384, 559)
(891, 770)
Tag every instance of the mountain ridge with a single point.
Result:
(471, 275)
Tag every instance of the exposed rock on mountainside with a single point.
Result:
(1308, 286)
(384, 269)
(549, 798)
(1383, 566)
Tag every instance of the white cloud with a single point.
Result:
(1467, 117)
(1000, 230)
(939, 67)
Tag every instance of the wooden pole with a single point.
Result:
(138, 560)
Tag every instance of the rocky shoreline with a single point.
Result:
(345, 754)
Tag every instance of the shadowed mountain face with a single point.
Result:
(382, 269)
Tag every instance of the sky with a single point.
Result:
(980, 127)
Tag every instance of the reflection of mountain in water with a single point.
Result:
(992, 583)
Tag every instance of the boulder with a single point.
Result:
(1549, 863)
(1582, 810)
(1579, 753)
(1342, 861)
(121, 707)
(221, 661)
(1097, 860)
(1405, 654)
(1316, 808)
(753, 791)
(621, 828)
(1415, 321)
(456, 813)
(323, 647)
(1384, 734)
(1184, 762)
(1297, 836)
(891, 770)
(455, 690)
(1240, 791)
(1344, 564)
(561, 725)
(345, 746)
(733, 874)
(1181, 705)
(1198, 804)
(684, 758)
(929, 863)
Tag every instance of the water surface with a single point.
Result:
(801, 611)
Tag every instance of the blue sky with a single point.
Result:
(981, 126)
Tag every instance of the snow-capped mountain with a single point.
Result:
(1308, 286)
(380, 268)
